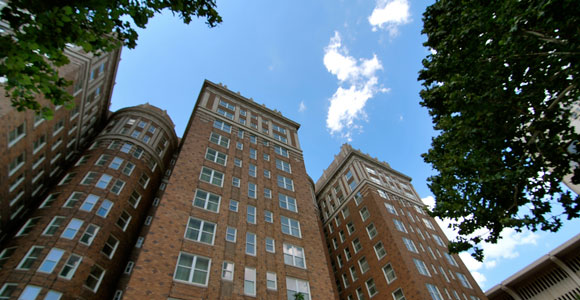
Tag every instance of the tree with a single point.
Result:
(33, 48)
(499, 86)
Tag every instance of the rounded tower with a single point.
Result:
(76, 244)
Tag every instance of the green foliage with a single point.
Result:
(499, 88)
(33, 49)
(298, 296)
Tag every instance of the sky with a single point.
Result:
(345, 70)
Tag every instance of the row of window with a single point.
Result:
(210, 201)
(195, 269)
(30, 292)
(225, 142)
(215, 177)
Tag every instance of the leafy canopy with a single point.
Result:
(33, 48)
(499, 87)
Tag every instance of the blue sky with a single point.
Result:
(345, 70)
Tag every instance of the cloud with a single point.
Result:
(505, 249)
(302, 107)
(359, 76)
(389, 15)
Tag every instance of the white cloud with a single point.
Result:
(359, 75)
(389, 15)
(505, 249)
(302, 107)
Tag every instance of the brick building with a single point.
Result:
(227, 212)
(380, 240)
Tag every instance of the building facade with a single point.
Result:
(555, 275)
(381, 242)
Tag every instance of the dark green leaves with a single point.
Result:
(499, 89)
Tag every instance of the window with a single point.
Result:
(350, 227)
(235, 181)
(30, 258)
(225, 113)
(294, 256)
(128, 169)
(134, 199)
(281, 151)
(438, 240)
(124, 220)
(347, 253)
(71, 229)
(89, 234)
(363, 264)
(270, 245)
(126, 148)
(290, 226)
(391, 208)
(450, 259)
(278, 128)
(103, 159)
(228, 271)
(421, 267)
(252, 170)
(253, 153)
(116, 163)
(372, 231)
(211, 176)
(16, 134)
(15, 164)
(428, 224)
(400, 226)
(206, 200)
(410, 245)
(117, 186)
(251, 243)
(144, 180)
(271, 282)
(49, 200)
(129, 267)
(380, 250)
(239, 146)
(222, 126)
(295, 286)
(268, 216)
(70, 266)
(364, 214)
(104, 209)
(285, 183)
(231, 234)
(358, 198)
(237, 162)
(356, 245)
(216, 156)
(252, 190)
(353, 273)
(253, 139)
(398, 295)
(233, 205)
(227, 105)
(434, 292)
(30, 292)
(389, 273)
(287, 202)
(267, 193)
(241, 133)
(250, 282)
(371, 288)
(280, 138)
(342, 236)
(51, 260)
(58, 126)
(39, 143)
(200, 231)
(89, 202)
(345, 212)
(339, 260)
(219, 140)
(464, 281)
(266, 157)
(5, 255)
(28, 226)
(282, 165)
(110, 246)
(95, 277)
(104, 181)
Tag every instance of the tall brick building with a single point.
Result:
(227, 212)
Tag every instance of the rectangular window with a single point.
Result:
(389, 273)
(428, 224)
(233, 205)
(219, 140)
(124, 220)
(400, 226)
(290, 226)
(200, 231)
(280, 138)
(410, 245)
(267, 193)
(103, 159)
(39, 143)
(51, 260)
(216, 156)
(266, 157)
(282, 165)
(350, 228)
(206, 200)
(211, 176)
(281, 151)
(267, 173)
(398, 295)
(372, 231)
(30, 292)
(239, 146)
(237, 162)
(391, 208)
(252, 170)
(144, 180)
(364, 213)
(71, 229)
(16, 164)
(253, 153)
(421, 267)
(252, 190)
(271, 282)
(251, 243)
(363, 264)
(250, 282)
(268, 216)
(450, 259)
(134, 199)
(227, 105)
(228, 271)
(110, 246)
(116, 163)
(28, 226)
(251, 214)
(89, 202)
(225, 113)
(434, 292)
(295, 286)
(89, 234)
(30, 258)
(356, 245)
(16, 134)
(95, 277)
(235, 181)
(438, 240)
(128, 169)
(253, 139)
(104, 181)
(117, 186)
(5, 255)
(70, 266)
(285, 183)
(222, 126)
(294, 256)
(104, 209)
(353, 273)
(371, 288)
(464, 281)
(231, 233)
(270, 245)
(287, 202)
(380, 250)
